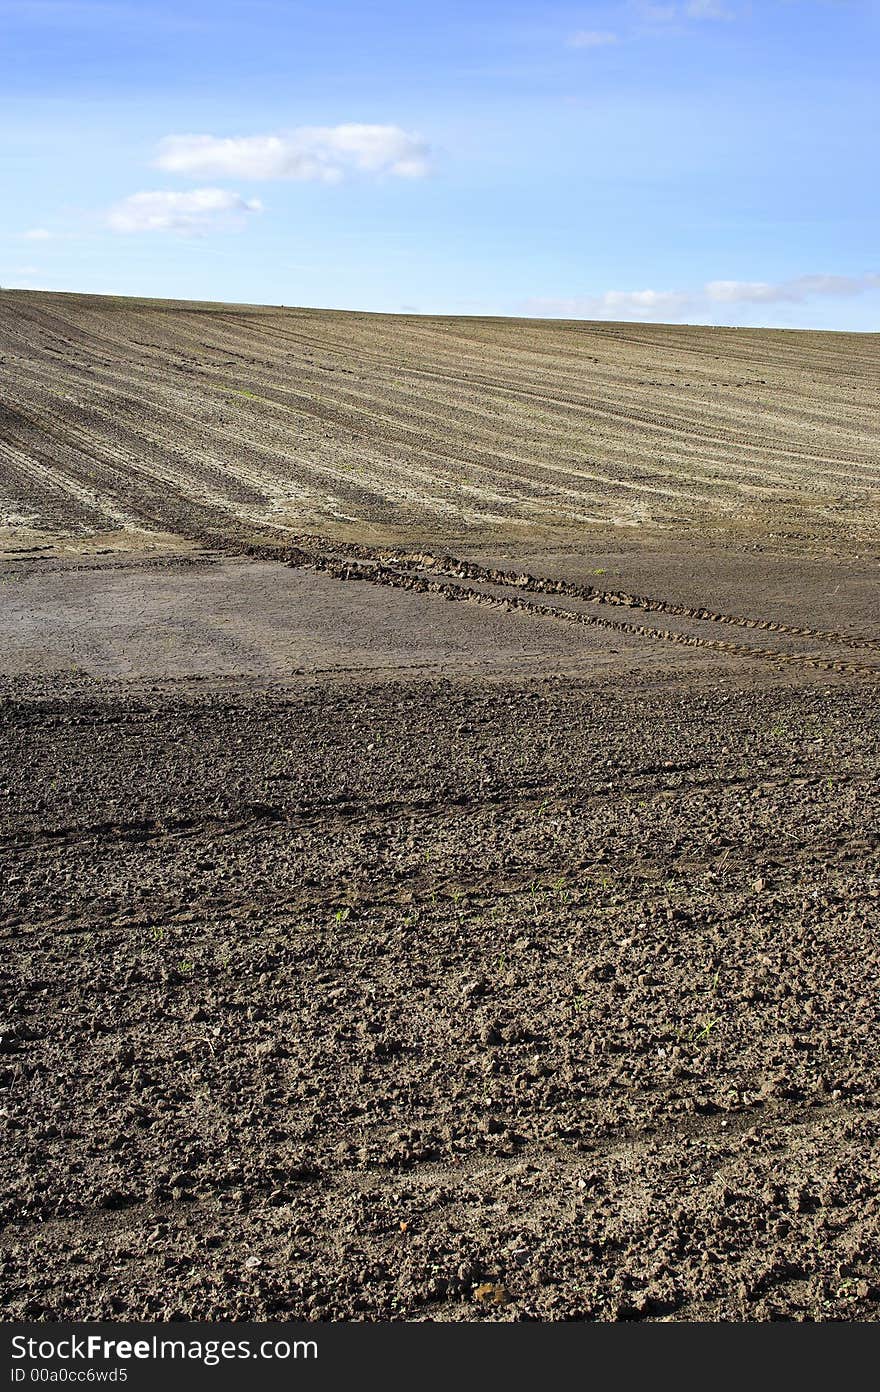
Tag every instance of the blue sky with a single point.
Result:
(705, 161)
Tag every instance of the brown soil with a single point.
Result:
(392, 933)
(165, 415)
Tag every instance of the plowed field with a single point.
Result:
(157, 414)
(438, 817)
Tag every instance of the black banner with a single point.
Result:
(192, 1357)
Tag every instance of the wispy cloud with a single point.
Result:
(614, 304)
(648, 17)
(659, 15)
(707, 9)
(37, 234)
(592, 38)
(322, 153)
(666, 305)
(191, 213)
(794, 291)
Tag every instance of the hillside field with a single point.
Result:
(438, 817)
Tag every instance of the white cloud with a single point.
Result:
(698, 303)
(323, 153)
(193, 212)
(651, 300)
(707, 9)
(615, 304)
(691, 9)
(658, 14)
(37, 234)
(592, 38)
(787, 291)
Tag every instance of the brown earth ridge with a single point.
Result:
(438, 836)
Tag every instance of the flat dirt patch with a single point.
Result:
(258, 619)
(464, 907)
